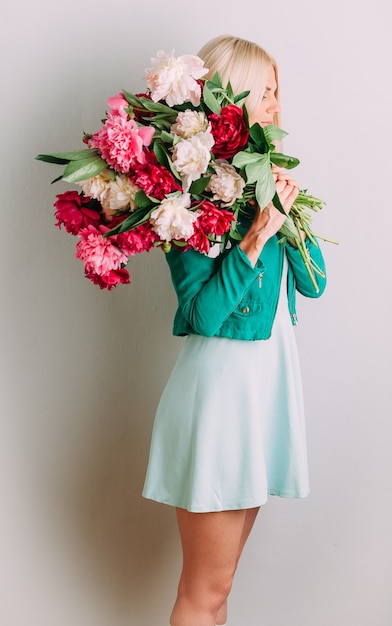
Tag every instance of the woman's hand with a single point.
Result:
(267, 222)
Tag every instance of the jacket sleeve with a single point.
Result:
(302, 280)
(208, 291)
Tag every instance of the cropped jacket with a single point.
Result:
(227, 297)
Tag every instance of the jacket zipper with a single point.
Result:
(293, 316)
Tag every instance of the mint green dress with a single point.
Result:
(230, 428)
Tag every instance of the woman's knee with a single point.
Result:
(221, 588)
(213, 590)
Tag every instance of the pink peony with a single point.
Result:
(109, 280)
(99, 254)
(115, 102)
(72, 212)
(139, 239)
(121, 142)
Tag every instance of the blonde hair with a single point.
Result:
(245, 64)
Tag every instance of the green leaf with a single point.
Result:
(265, 187)
(230, 92)
(50, 158)
(277, 203)
(131, 98)
(136, 218)
(257, 134)
(166, 137)
(161, 153)
(241, 159)
(241, 96)
(258, 169)
(273, 133)
(160, 122)
(83, 169)
(164, 114)
(158, 107)
(64, 157)
(142, 200)
(216, 80)
(55, 180)
(235, 234)
(210, 100)
(198, 186)
(282, 160)
(164, 159)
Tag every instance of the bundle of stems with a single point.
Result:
(297, 227)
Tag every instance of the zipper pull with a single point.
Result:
(260, 279)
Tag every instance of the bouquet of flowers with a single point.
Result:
(174, 166)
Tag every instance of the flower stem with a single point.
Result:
(299, 242)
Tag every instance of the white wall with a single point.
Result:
(83, 369)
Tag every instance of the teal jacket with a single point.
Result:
(227, 297)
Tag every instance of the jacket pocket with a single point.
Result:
(248, 307)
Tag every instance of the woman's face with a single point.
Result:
(264, 113)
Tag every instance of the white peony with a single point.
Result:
(97, 186)
(190, 123)
(120, 196)
(226, 184)
(192, 156)
(172, 219)
(175, 79)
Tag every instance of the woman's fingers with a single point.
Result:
(280, 173)
(280, 185)
(287, 177)
(283, 176)
(291, 197)
(287, 193)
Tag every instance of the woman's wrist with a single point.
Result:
(252, 244)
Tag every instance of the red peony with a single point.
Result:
(210, 221)
(154, 179)
(110, 280)
(72, 212)
(214, 221)
(229, 130)
(199, 240)
(139, 239)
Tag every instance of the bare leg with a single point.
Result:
(250, 517)
(211, 544)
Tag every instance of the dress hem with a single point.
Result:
(251, 504)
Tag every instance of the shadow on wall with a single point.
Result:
(125, 541)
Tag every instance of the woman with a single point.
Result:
(229, 429)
